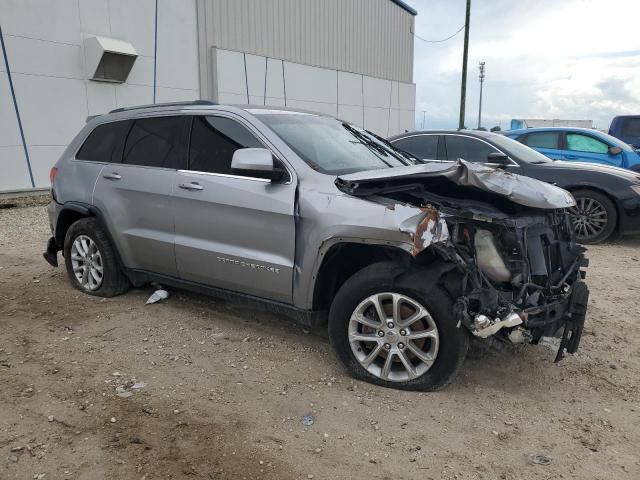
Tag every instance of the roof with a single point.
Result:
(521, 131)
(406, 7)
(472, 133)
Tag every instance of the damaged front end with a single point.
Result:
(516, 271)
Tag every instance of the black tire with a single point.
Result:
(113, 281)
(607, 204)
(379, 278)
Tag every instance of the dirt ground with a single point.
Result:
(197, 388)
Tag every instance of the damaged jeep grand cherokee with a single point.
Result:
(313, 217)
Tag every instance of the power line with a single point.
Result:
(442, 40)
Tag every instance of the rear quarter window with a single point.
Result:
(105, 143)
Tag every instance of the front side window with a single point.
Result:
(467, 148)
(584, 143)
(424, 147)
(213, 142)
(105, 142)
(543, 140)
(631, 127)
(156, 142)
(331, 146)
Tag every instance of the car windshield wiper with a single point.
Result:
(375, 147)
(402, 152)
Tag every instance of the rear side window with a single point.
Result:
(543, 140)
(422, 146)
(104, 143)
(213, 141)
(156, 142)
(585, 143)
(467, 148)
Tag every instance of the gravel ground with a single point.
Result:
(198, 388)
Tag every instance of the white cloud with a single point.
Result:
(570, 59)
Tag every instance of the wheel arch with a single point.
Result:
(70, 213)
(342, 260)
(74, 211)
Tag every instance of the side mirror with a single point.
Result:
(255, 162)
(498, 157)
(615, 150)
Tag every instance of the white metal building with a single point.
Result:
(63, 60)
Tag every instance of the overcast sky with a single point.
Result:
(570, 59)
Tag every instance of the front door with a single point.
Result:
(585, 148)
(232, 232)
(135, 196)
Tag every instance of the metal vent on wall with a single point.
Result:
(108, 59)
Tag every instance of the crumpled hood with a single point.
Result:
(517, 188)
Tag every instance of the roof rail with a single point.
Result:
(170, 104)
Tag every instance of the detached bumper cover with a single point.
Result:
(574, 324)
(51, 254)
(566, 314)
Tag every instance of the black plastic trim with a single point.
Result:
(310, 318)
(159, 105)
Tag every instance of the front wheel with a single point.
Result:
(395, 334)
(594, 216)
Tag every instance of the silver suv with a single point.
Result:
(316, 218)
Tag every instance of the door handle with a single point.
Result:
(112, 176)
(570, 157)
(193, 186)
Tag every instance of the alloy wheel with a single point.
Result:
(589, 218)
(86, 261)
(393, 337)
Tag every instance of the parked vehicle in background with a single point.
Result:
(518, 123)
(307, 215)
(627, 129)
(579, 145)
(608, 198)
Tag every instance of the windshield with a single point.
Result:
(518, 150)
(331, 146)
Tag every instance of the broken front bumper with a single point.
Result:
(563, 317)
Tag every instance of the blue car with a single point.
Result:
(579, 145)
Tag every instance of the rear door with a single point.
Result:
(547, 143)
(586, 148)
(233, 232)
(135, 197)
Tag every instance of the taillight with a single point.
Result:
(53, 174)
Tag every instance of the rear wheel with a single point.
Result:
(395, 334)
(594, 216)
(91, 261)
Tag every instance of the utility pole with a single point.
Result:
(424, 117)
(481, 67)
(463, 87)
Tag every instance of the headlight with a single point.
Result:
(489, 260)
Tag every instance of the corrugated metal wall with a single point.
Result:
(370, 37)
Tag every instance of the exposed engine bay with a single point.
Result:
(516, 271)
